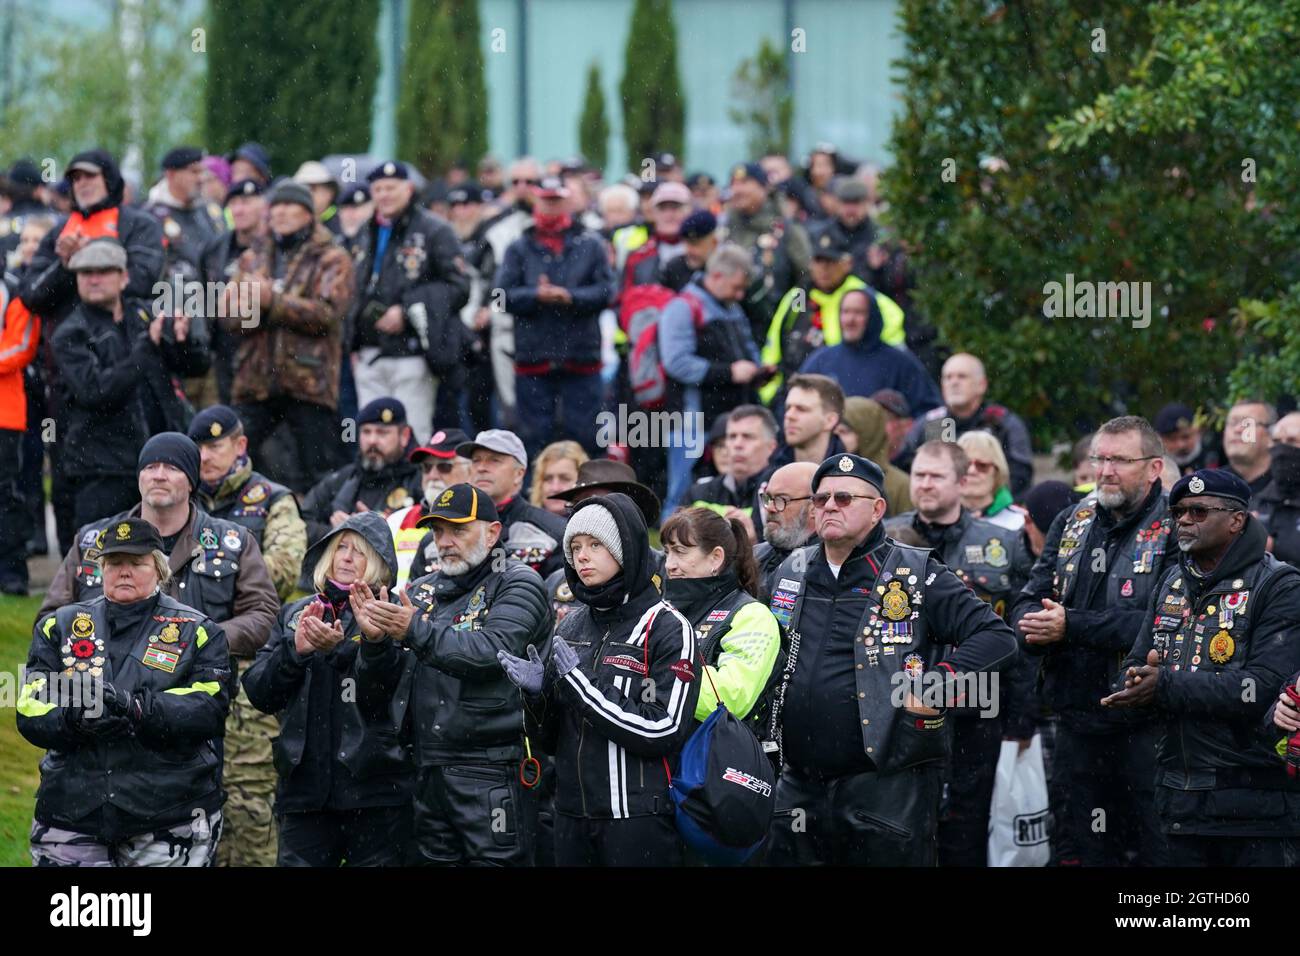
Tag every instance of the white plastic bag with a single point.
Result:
(1018, 818)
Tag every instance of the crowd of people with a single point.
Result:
(351, 569)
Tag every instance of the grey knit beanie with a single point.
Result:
(596, 521)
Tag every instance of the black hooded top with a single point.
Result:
(50, 290)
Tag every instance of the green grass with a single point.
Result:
(18, 758)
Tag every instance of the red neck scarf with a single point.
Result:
(550, 229)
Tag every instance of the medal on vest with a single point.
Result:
(895, 602)
(1222, 647)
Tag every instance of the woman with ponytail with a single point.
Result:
(713, 580)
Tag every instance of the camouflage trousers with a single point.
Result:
(248, 777)
(186, 844)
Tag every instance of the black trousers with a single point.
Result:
(649, 840)
(375, 836)
(314, 439)
(1111, 815)
(15, 517)
(964, 818)
(1228, 851)
(101, 497)
(473, 814)
(859, 819)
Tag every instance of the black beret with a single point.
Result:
(245, 187)
(25, 173)
(1172, 417)
(830, 243)
(853, 466)
(391, 169)
(1218, 482)
(383, 411)
(354, 194)
(698, 224)
(213, 423)
(182, 156)
(749, 171)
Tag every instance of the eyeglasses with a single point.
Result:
(983, 467)
(1197, 513)
(525, 182)
(443, 467)
(778, 503)
(1101, 461)
(842, 498)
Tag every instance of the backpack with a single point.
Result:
(639, 315)
(725, 789)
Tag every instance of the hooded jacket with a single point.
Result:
(618, 721)
(50, 290)
(336, 750)
(1214, 735)
(867, 419)
(866, 366)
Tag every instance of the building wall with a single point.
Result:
(842, 86)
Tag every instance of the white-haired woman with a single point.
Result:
(988, 481)
(345, 781)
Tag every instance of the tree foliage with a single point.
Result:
(761, 85)
(1014, 170)
(298, 78)
(654, 108)
(442, 109)
(70, 88)
(593, 126)
(1223, 75)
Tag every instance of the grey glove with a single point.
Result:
(565, 657)
(524, 674)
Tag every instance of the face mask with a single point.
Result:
(1285, 467)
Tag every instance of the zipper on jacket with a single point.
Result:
(582, 731)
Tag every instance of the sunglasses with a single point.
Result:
(842, 498)
(983, 467)
(525, 182)
(443, 467)
(1197, 513)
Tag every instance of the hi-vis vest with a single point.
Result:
(407, 536)
(824, 327)
(98, 225)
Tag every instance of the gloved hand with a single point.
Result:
(117, 714)
(565, 657)
(524, 674)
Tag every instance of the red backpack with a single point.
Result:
(639, 315)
